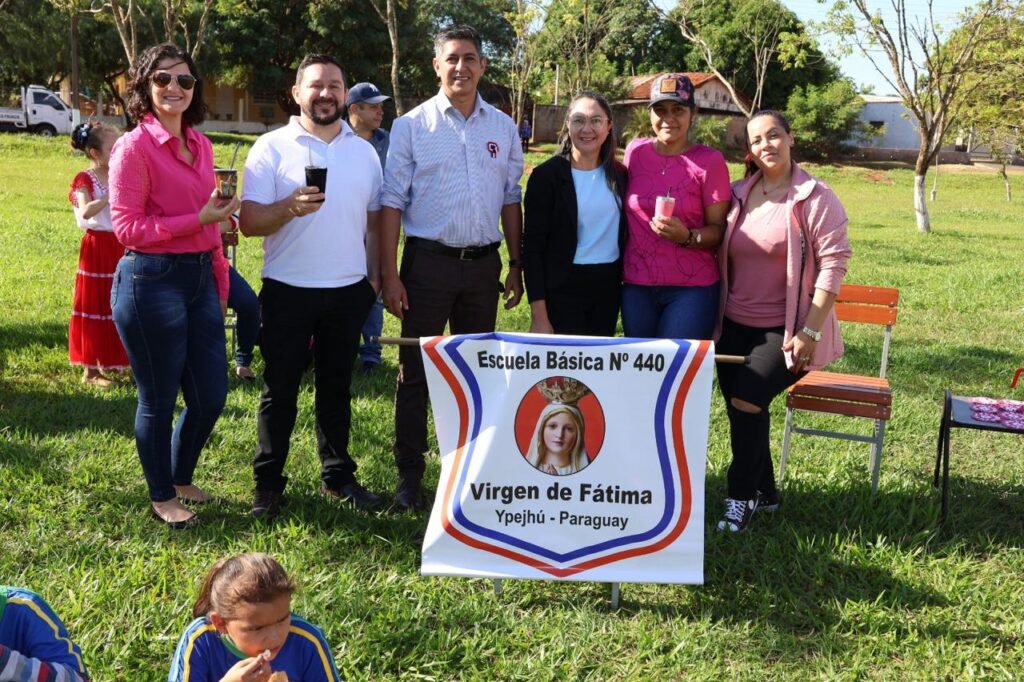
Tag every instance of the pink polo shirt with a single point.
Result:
(156, 195)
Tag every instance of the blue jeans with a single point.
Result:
(669, 312)
(242, 299)
(370, 351)
(168, 315)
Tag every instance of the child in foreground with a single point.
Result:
(245, 630)
(93, 342)
(34, 644)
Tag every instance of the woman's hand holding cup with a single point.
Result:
(217, 209)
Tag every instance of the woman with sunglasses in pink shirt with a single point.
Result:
(171, 287)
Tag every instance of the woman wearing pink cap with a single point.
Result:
(783, 258)
(677, 200)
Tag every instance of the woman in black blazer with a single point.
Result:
(575, 227)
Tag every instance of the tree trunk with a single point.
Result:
(1006, 181)
(111, 82)
(924, 223)
(393, 34)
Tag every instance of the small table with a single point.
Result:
(956, 413)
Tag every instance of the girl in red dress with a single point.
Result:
(93, 342)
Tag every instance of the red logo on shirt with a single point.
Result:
(492, 149)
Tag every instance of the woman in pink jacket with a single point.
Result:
(782, 260)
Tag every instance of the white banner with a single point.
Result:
(573, 458)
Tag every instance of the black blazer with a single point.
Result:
(549, 233)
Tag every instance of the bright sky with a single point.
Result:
(857, 66)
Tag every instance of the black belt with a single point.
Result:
(462, 253)
(194, 257)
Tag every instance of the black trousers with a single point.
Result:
(442, 290)
(587, 304)
(291, 316)
(757, 383)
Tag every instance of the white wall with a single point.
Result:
(900, 129)
(713, 95)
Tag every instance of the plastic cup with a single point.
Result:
(227, 181)
(316, 176)
(664, 206)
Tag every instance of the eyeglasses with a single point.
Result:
(582, 121)
(163, 79)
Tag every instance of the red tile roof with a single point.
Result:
(640, 86)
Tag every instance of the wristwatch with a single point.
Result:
(812, 334)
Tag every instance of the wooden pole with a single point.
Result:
(405, 341)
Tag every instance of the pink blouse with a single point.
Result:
(156, 195)
(757, 268)
(696, 178)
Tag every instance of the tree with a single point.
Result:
(34, 44)
(913, 56)
(572, 32)
(385, 9)
(994, 111)
(179, 21)
(825, 116)
(743, 42)
(523, 19)
(247, 49)
(642, 40)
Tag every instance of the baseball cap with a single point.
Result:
(364, 92)
(675, 87)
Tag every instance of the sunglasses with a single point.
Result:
(163, 79)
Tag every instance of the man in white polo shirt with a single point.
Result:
(320, 276)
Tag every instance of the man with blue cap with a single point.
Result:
(365, 114)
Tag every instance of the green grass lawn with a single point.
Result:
(840, 584)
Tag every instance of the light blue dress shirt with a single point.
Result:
(451, 175)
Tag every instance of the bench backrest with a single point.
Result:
(870, 305)
(873, 305)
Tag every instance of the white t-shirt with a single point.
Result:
(325, 248)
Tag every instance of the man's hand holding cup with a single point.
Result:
(305, 200)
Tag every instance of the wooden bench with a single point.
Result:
(850, 395)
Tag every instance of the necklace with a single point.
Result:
(667, 158)
(764, 188)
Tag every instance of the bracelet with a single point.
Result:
(689, 238)
(812, 334)
(515, 263)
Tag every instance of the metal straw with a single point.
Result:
(234, 156)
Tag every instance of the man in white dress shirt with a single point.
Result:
(453, 170)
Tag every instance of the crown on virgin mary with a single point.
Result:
(562, 390)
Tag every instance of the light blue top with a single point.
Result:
(451, 175)
(597, 218)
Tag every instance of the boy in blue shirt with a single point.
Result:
(34, 644)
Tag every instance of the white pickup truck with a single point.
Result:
(41, 112)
